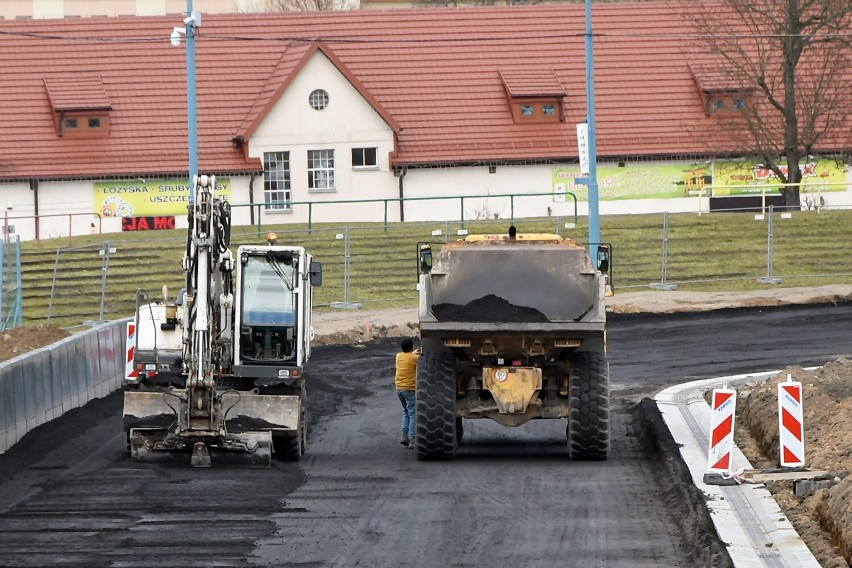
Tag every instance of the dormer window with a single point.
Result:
(80, 105)
(534, 95)
(722, 92)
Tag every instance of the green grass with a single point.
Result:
(711, 252)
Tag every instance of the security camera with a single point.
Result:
(176, 33)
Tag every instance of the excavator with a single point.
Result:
(217, 372)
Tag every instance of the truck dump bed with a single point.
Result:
(512, 286)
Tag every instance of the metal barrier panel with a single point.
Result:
(91, 357)
(37, 368)
(109, 347)
(15, 382)
(45, 383)
(8, 429)
(60, 365)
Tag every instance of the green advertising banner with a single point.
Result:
(636, 181)
(129, 198)
(743, 178)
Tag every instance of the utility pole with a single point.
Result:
(592, 180)
(191, 115)
(191, 23)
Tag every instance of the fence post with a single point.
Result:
(104, 252)
(347, 250)
(662, 285)
(53, 286)
(19, 287)
(770, 242)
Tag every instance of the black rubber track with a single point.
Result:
(435, 411)
(588, 424)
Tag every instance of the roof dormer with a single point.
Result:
(722, 92)
(534, 95)
(80, 105)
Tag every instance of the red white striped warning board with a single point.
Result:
(791, 424)
(129, 371)
(724, 405)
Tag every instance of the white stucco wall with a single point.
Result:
(347, 122)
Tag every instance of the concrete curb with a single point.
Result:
(747, 518)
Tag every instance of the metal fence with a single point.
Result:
(11, 288)
(375, 264)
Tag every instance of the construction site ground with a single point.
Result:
(823, 518)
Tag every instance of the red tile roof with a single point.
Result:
(531, 83)
(438, 76)
(76, 93)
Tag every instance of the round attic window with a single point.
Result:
(318, 99)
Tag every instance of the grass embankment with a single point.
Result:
(711, 252)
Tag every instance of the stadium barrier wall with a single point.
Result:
(43, 384)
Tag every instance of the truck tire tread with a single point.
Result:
(435, 410)
(588, 425)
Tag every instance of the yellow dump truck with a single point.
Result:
(513, 328)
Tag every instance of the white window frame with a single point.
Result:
(362, 152)
(276, 181)
(321, 171)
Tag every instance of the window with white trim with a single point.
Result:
(321, 170)
(318, 99)
(276, 181)
(365, 158)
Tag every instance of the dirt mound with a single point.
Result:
(20, 340)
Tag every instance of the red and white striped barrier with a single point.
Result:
(791, 424)
(724, 405)
(130, 373)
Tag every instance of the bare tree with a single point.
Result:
(311, 5)
(793, 58)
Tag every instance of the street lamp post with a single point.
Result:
(591, 181)
(192, 21)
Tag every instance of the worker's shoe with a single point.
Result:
(404, 440)
(411, 444)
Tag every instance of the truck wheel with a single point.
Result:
(588, 422)
(459, 430)
(435, 412)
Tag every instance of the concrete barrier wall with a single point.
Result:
(44, 384)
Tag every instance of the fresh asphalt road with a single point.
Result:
(69, 496)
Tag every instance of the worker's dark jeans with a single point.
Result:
(407, 398)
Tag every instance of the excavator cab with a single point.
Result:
(268, 310)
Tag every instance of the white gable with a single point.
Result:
(348, 122)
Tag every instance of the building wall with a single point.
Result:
(11, 9)
(69, 208)
(347, 122)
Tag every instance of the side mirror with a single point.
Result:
(425, 259)
(315, 271)
(603, 258)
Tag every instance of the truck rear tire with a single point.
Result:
(435, 411)
(588, 423)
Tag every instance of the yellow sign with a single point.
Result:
(128, 198)
(741, 178)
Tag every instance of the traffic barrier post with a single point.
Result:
(723, 406)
